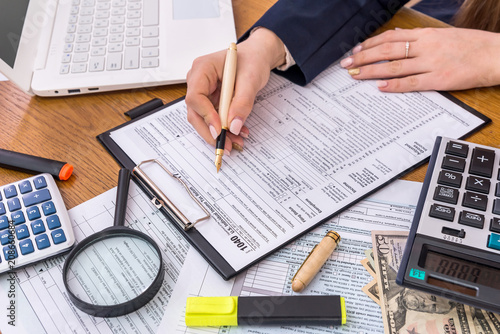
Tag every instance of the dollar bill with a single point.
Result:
(368, 266)
(484, 322)
(494, 320)
(369, 256)
(371, 290)
(408, 310)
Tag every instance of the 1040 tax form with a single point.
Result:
(312, 152)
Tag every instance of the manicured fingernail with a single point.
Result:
(353, 71)
(213, 132)
(382, 84)
(227, 153)
(244, 134)
(356, 49)
(236, 125)
(346, 62)
(238, 147)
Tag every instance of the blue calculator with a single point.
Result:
(34, 222)
(453, 249)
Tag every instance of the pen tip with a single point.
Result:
(218, 161)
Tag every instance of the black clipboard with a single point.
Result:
(194, 237)
(191, 234)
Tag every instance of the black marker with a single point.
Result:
(32, 164)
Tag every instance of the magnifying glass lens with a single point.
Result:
(113, 269)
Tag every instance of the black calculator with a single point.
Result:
(34, 222)
(453, 249)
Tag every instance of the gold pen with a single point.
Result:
(314, 261)
(226, 95)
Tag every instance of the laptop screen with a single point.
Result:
(12, 14)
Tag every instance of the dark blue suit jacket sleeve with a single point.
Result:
(318, 32)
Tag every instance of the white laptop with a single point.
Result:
(62, 47)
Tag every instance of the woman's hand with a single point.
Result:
(257, 55)
(437, 59)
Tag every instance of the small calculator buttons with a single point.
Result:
(4, 222)
(37, 227)
(42, 241)
(454, 163)
(482, 162)
(442, 212)
(446, 194)
(26, 247)
(34, 222)
(495, 224)
(449, 178)
(464, 194)
(25, 187)
(471, 219)
(457, 149)
(33, 213)
(494, 241)
(40, 182)
(10, 191)
(36, 197)
(475, 201)
(478, 184)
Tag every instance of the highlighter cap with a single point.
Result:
(342, 308)
(65, 172)
(211, 311)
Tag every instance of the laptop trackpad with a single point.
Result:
(195, 9)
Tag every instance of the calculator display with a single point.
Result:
(462, 269)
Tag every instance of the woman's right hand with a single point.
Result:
(257, 56)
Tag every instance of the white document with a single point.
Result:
(42, 305)
(312, 151)
(41, 302)
(391, 208)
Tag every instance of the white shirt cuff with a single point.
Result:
(289, 61)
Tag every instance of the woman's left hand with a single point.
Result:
(428, 59)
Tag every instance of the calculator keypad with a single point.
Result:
(463, 200)
(34, 222)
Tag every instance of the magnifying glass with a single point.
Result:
(115, 271)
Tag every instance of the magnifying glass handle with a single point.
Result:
(121, 197)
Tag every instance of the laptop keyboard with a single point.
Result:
(111, 35)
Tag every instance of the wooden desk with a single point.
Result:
(65, 128)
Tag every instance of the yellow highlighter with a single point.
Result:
(265, 310)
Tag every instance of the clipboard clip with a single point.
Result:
(161, 200)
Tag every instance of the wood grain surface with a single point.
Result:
(65, 128)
